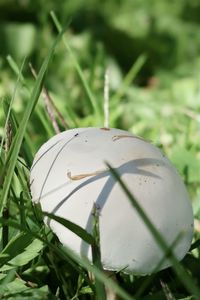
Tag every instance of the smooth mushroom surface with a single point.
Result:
(69, 175)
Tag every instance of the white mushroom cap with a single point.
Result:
(69, 175)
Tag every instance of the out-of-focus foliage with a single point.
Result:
(168, 32)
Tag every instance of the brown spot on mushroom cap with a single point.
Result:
(121, 136)
(81, 176)
(105, 128)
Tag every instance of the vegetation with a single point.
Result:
(151, 50)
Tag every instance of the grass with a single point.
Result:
(33, 264)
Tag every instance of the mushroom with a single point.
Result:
(69, 175)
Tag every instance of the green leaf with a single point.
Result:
(19, 290)
(28, 254)
(20, 250)
(85, 290)
(14, 287)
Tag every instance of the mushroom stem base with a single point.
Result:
(110, 294)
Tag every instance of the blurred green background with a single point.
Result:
(155, 42)
(167, 31)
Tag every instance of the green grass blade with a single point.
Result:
(42, 118)
(82, 233)
(136, 67)
(177, 267)
(96, 254)
(40, 113)
(11, 103)
(195, 245)
(22, 211)
(27, 140)
(15, 68)
(22, 126)
(92, 100)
